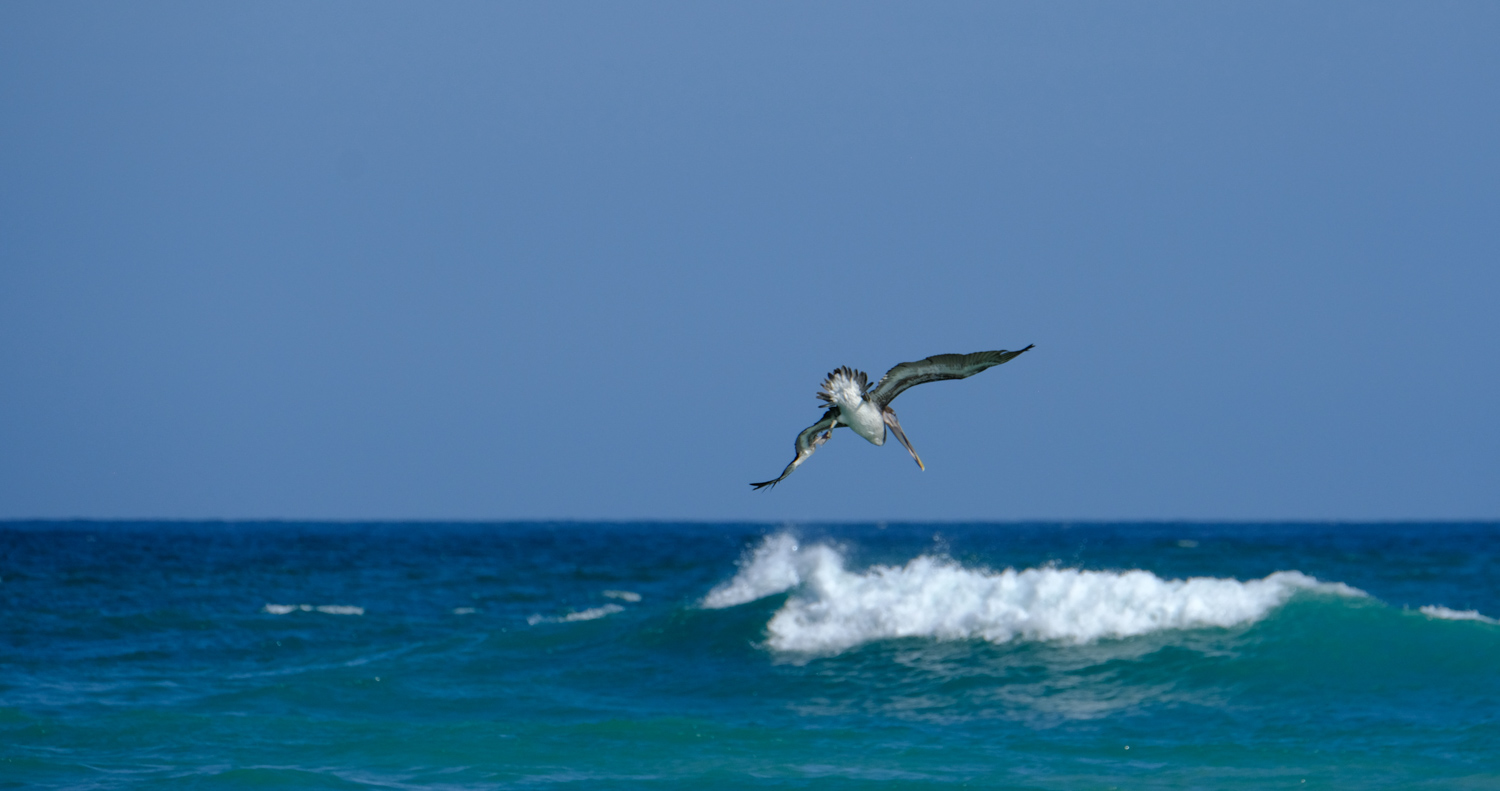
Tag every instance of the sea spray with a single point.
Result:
(834, 609)
(775, 566)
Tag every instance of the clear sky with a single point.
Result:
(591, 260)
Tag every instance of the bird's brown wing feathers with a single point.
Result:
(936, 368)
(807, 442)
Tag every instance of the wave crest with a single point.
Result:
(835, 609)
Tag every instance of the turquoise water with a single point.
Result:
(581, 655)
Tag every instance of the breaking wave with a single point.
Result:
(833, 609)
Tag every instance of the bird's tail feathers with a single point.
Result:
(844, 378)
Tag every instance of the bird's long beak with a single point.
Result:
(890, 420)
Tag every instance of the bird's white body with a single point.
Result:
(856, 411)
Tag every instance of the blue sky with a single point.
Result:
(591, 260)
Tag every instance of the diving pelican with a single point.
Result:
(852, 403)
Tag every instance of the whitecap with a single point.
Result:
(330, 609)
(592, 613)
(834, 609)
(1432, 611)
(630, 596)
(340, 609)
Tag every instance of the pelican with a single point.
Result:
(868, 411)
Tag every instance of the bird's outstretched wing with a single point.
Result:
(807, 442)
(933, 369)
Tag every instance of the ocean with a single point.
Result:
(703, 655)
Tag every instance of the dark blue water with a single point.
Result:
(710, 655)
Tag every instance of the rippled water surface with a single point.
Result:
(681, 655)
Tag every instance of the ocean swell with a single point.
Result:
(833, 609)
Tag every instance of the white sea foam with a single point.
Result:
(590, 614)
(630, 596)
(331, 609)
(593, 613)
(1432, 611)
(340, 609)
(833, 609)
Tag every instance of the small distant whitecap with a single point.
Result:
(330, 609)
(592, 613)
(1432, 611)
